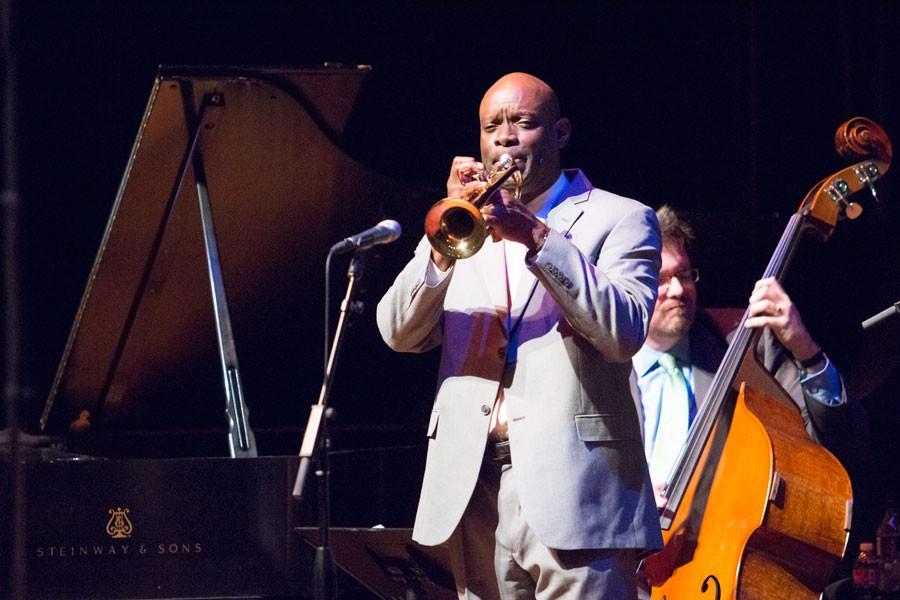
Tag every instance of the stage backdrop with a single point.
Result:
(725, 111)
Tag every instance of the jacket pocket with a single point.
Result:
(433, 423)
(606, 428)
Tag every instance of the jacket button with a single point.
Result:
(485, 409)
(501, 351)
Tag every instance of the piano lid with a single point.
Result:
(143, 348)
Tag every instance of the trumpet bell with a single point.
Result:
(455, 228)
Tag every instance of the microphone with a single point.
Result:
(890, 311)
(384, 233)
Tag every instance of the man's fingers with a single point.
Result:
(757, 322)
(468, 170)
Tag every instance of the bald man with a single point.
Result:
(535, 478)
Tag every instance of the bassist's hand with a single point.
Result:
(770, 306)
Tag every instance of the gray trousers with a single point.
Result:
(495, 555)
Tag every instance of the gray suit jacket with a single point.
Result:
(576, 444)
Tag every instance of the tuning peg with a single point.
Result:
(871, 187)
(867, 174)
(839, 191)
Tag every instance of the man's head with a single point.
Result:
(676, 302)
(519, 115)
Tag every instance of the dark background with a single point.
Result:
(725, 111)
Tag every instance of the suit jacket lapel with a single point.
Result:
(702, 381)
(561, 218)
(564, 216)
(707, 350)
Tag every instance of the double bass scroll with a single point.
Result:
(868, 146)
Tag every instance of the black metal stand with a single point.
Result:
(316, 442)
(11, 305)
(388, 563)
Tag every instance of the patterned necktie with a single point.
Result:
(674, 420)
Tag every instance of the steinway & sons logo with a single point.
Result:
(118, 527)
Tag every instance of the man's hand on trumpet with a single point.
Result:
(508, 218)
(467, 176)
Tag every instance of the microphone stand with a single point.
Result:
(316, 442)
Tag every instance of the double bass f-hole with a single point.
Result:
(704, 587)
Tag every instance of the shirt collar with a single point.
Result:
(554, 196)
(645, 359)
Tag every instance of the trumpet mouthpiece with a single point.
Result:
(505, 161)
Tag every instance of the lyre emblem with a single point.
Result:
(119, 525)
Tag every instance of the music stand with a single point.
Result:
(388, 563)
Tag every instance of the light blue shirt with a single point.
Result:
(651, 381)
(823, 385)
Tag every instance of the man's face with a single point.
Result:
(518, 118)
(676, 301)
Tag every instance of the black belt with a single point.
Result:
(498, 453)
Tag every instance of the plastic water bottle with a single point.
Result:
(865, 573)
(887, 540)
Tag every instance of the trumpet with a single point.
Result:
(455, 226)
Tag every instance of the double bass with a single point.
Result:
(755, 509)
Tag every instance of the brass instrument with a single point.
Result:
(455, 226)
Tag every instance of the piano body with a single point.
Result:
(236, 186)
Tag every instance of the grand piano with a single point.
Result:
(237, 184)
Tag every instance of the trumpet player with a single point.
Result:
(535, 478)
